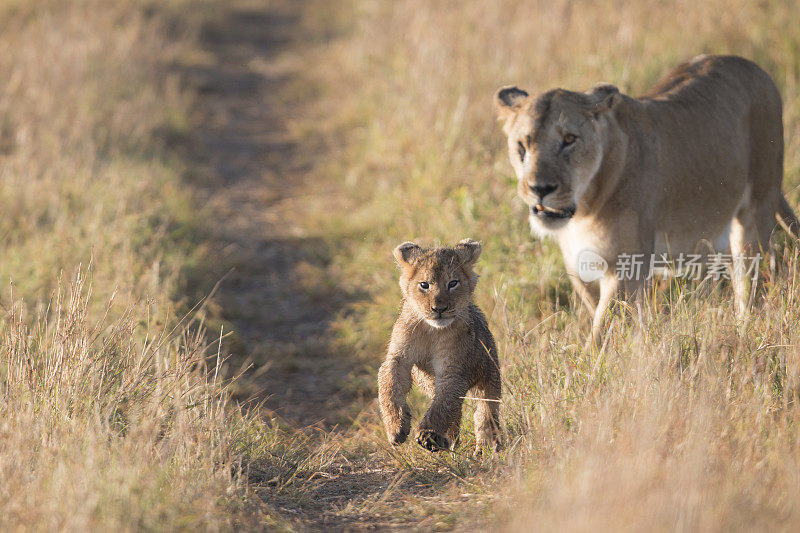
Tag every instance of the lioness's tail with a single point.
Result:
(787, 219)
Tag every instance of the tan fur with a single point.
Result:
(442, 340)
(699, 158)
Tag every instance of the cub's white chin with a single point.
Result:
(439, 323)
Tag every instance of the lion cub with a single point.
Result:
(443, 340)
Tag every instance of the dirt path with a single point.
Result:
(257, 178)
(253, 174)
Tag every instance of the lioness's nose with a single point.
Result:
(439, 310)
(543, 190)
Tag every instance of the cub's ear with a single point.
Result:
(606, 98)
(468, 251)
(405, 253)
(508, 101)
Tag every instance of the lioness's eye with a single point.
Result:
(521, 150)
(424, 285)
(453, 284)
(569, 139)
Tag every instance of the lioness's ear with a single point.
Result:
(508, 100)
(405, 253)
(606, 98)
(468, 251)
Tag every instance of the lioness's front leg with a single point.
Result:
(611, 287)
(444, 412)
(394, 382)
(584, 292)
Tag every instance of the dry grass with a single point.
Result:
(103, 429)
(112, 416)
(687, 420)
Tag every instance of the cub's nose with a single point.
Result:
(439, 310)
(543, 190)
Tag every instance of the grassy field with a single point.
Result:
(111, 418)
(115, 413)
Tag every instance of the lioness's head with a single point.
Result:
(555, 143)
(438, 283)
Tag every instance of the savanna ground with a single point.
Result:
(194, 191)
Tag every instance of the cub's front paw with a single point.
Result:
(432, 441)
(398, 435)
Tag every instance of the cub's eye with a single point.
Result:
(521, 150)
(569, 138)
(424, 285)
(453, 284)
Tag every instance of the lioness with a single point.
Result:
(698, 158)
(442, 339)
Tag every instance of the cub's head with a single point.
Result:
(555, 143)
(438, 283)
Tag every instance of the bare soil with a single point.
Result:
(254, 178)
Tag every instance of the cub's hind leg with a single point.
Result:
(453, 432)
(487, 415)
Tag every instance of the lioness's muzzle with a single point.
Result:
(550, 212)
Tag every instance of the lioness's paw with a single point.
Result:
(432, 441)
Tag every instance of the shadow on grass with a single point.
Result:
(251, 173)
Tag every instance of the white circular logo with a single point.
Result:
(590, 266)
